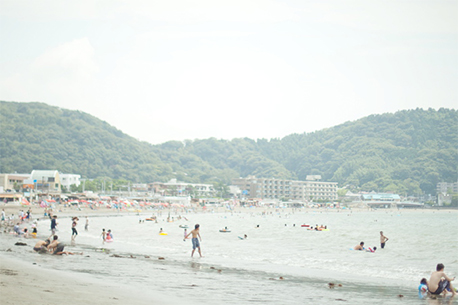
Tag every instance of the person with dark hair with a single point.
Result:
(423, 288)
(41, 246)
(74, 231)
(195, 239)
(360, 246)
(369, 249)
(53, 226)
(440, 282)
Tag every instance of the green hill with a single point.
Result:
(407, 152)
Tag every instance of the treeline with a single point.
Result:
(407, 152)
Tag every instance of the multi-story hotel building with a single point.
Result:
(265, 188)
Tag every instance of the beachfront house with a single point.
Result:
(45, 181)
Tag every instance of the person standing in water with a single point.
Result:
(74, 223)
(383, 239)
(53, 226)
(104, 235)
(86, 226)
(195, 240)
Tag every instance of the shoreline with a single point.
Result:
(28, 283)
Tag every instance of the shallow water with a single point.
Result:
(235, 271)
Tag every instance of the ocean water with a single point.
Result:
(279, 263)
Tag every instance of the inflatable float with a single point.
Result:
(225, 231)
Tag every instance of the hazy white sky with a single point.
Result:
(180, 69)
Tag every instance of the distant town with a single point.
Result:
(52, 187)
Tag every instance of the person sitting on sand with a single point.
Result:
(57, 248)
(53, 245)
(41, 246)
(423, 288)
(26, 233)
(360, 246)
(440, 283)
(17, 230)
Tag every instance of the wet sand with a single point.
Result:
(28, 283)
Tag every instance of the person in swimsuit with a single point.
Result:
(360, 246)
(440, 283)
(53, 226)
(74, 232)
(383, 239)
(195, 240)
(41, 246)
(103, 235)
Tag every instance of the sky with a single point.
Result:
(186, 70)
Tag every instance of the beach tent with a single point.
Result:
(25, 201)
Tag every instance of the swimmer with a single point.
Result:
(369, 249)
(359, 247)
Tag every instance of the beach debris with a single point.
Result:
(20, 244)
(341, 300)
(400, 296)
(161, 258)
(9, 250)
(219, 270)
(131, 256)
(116, 255)
(273, 279)
(212, 268)
(340, 285)
(147, 256)
(331, 285)
(8, 272)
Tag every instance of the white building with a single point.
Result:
(67, 180)
(265, 188)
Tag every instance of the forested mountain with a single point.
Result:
(407, 152)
